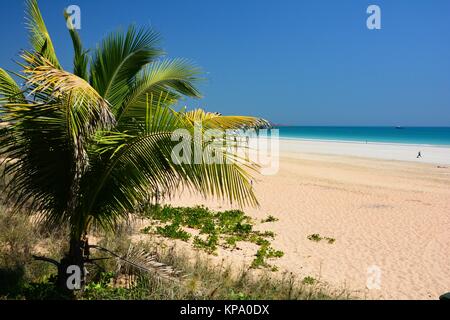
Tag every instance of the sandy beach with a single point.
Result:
(403, 152)
(385, 214)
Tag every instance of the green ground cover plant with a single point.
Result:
(216, 229)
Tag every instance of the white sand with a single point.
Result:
(391, 214)
(403, 152)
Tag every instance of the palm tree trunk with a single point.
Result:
(71, 270)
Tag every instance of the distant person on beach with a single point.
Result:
(419, 155)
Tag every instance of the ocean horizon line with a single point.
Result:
(435, 136)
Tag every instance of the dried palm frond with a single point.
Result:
(43, 76)
(137, 262)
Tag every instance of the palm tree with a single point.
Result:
(83, 148)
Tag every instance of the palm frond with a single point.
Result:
(121, 176)
(124, 167)
(87, 109)
(41, 173)
(137, 261)
(118, 60)
(39, 36)
(9, 89)
(211, 120)
(145, 163)
(49, 139)
(167, 80)
(81, 57)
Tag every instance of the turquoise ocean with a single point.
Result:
(439, 136)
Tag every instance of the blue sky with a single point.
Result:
(310, 62)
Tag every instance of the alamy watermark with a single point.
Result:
(73, 281)
(374, 20)
(373, 278)
(73, 17)
(215, 146)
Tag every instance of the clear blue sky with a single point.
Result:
(293, 62)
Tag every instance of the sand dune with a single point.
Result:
(389, 214)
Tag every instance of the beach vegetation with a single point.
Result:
(224, 229)
(192, 276)
(264, 253)
(270, 218)
(317, 238)
(173, 231)
(309, 280)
